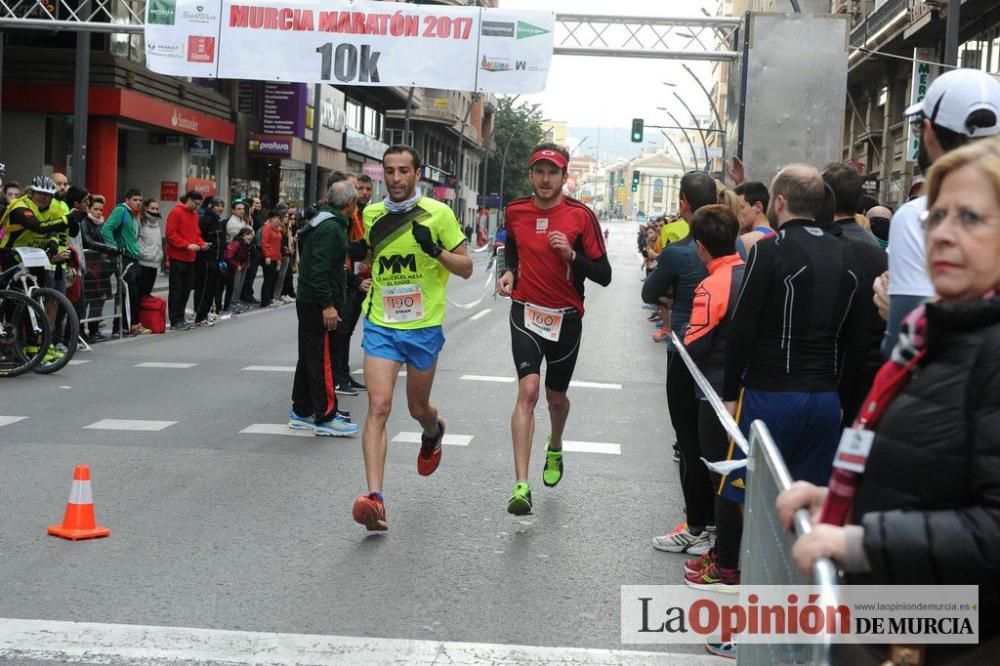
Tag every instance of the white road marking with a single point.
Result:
(481, 314)
(79, 361)
(159, 364)
(7, 420)
(92, 642)
(130, 424)
(270, 368)
(484, 378)
(450, 440)
(593, 447)
(275, 429)
(595, 385)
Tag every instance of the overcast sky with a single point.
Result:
(609, 92)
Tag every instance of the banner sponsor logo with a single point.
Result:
(201, 49)
(525, 30)
(162, 12)
(497, 29)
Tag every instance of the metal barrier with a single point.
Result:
(765, 557)
(102, 282)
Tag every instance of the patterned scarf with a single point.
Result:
(398, 207)
(891, 379)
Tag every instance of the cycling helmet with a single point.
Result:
(43, 185)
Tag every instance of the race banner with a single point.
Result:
(351, 43)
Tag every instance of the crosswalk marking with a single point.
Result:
(595, 385)
(361, 371)
(7, 420)
(270, 368)
(484, 378)
(593, 447)
(481, 314)
(91, 642)
(130, 424)
(79, 361)
(162, 364)
(275, 429)
(450, 440)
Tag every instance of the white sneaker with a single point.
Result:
(287, 299)
(335, 427)
(682, 541)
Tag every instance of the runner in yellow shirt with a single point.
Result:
(416, 244)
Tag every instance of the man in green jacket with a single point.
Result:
(321, 294)
(122, 231)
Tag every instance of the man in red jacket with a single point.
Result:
(184, 242)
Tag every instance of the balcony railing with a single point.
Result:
(885, 15)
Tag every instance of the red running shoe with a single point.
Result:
(698, 564)
(714, 578)
(430, 452)
(369, 510)
(661, 335)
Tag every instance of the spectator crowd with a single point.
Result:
(810, 307)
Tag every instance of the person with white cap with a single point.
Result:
(960, 106)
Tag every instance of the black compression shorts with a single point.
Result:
(529, 349)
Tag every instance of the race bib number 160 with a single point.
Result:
(403, 303)
(544, 322)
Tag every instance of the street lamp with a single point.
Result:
(704, 141)
(694, 155)
(711, 105)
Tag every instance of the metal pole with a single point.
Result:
(314, 167)
(951, 33)
(81, 89)
(461, 156)
(704, 141)
(713, 106)
(795, 7)
(503, 170)
(676, 150)
(687, 136)
(406, 118)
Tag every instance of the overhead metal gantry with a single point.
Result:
(676, 37)
(670, 38)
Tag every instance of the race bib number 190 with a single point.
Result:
(403, 303)
(544, 322)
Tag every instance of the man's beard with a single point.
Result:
(924, 160)
(772, 217)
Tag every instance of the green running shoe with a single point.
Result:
(553, 471)
(520, 500)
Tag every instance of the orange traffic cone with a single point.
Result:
(79, 521)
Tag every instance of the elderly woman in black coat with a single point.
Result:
(926, 509)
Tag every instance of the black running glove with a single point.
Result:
(425, 240)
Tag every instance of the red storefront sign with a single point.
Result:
(202, 185)
(120, 103)
(168, 190)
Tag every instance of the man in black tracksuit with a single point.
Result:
(320, 299)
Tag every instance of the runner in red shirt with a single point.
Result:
(553, 244)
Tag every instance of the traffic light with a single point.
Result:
(637, 130)
(635, 181)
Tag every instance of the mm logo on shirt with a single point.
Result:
(397, 262)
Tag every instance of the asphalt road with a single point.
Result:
(217, 529)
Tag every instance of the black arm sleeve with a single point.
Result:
(510, 259)
(745, 319)
(597, 270)
(660, 282)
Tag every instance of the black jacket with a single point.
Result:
(929, 499)
(93, 239)
(213, 230)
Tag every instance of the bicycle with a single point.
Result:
(23, 327)
(63, 321)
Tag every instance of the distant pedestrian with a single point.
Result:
(150, 247)
(184, 243)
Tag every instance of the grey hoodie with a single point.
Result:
(150, 242)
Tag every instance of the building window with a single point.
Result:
(658, 191)
(373, 123)
(353, 116)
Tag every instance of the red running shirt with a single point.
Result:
(543, 277)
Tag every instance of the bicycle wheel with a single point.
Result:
(25, 333)
(65, 331)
